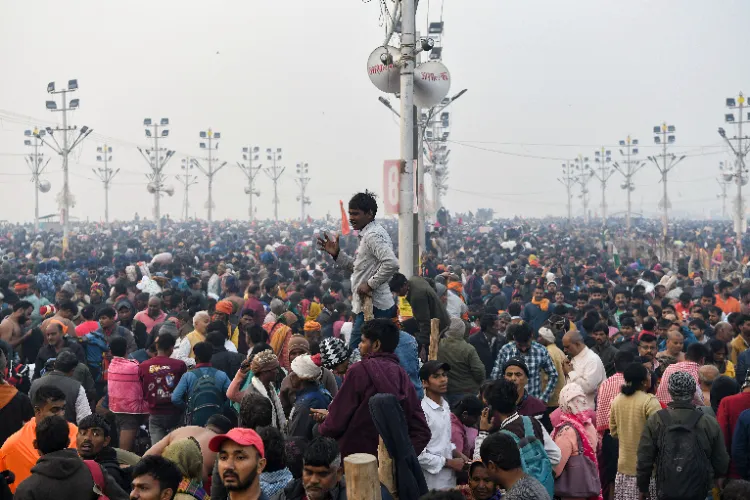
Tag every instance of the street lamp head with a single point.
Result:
(26, 142)
(729, 117)
(75, 103)
(51, 105)
(202, 145)
(165, 121)
(148, 133)
(203, 134)
(72, 84)
(49, 130)
(731, 103)
(165, 133)
(217, 135)
(51, 87)
(147, 122)
(722, 132)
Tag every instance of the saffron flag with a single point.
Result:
(345, 229)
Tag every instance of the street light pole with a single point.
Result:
(250, 154)
(739, 176)
(187, 179)
(584, 175)
(723, 184)
(569, 179)
(664, 134)
(66, 148)
(274, 173)
(631, 166)
(601, 158)
(210, 171)
(34, 161)
(105, 174)
(303, 180)
(157, 163)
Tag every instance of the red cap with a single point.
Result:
(243, 437)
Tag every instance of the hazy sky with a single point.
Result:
(546, 79)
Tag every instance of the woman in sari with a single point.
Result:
(575, 423)
(279, 334)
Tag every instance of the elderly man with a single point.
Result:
(153, 315)
(585, 368)
(706, 376)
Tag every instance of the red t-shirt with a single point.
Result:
(159, 378)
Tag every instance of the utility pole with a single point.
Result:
(739, 175)
(250, 155)
(603, 172)
(584, 175)
(157, 159)
(34, 161)
(569, 179)
(628, 169)
(211, 146)
(105, 174)
(66, 200)
(187, 179)
(664, 134)
(274, 173)
(407, 261)
(302, 181)
(723, 184)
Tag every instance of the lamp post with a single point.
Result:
(664, 135)
(34, 161)
(724, 180)
(106, 174)
(211, 144)
(628, 169)
(187, 179)
(274, 173)
(583, 176)
(250, 154)
(569, 179)
(302, 181)
(603, 172)
(65, 149)
(739, 174)
(157, 160)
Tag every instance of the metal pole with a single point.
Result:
(421, 205)
(66, 188)
(407, 262)
(275, 192)
(210, 175)
(739, 225)
(157, 181)
(106, 186)
(627, 179)
(664, 180)
(36, 184)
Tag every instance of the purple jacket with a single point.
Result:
(349, 420)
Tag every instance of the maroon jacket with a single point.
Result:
(255, 305)
(349, 420)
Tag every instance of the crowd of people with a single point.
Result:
(249, 360)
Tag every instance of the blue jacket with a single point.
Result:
(741, 445)
(188, 381)
(534, 316)
(408, 357)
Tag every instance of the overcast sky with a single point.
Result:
(546, 80)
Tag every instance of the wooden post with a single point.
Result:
(361, 470)
(385, 469)
(434, 338)
(367, 308)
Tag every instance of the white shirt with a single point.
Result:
(440, 448)
(455, 306)
(182, 349)
(589, 373)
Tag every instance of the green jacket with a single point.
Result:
(709, 437)
(467, 371)
(425, 305)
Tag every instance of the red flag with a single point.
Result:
(345, 229)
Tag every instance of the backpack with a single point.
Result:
(682, 468)
(534, 459)
(95, 346)
(98, 476)
(205, 398)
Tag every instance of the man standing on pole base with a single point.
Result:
(374, 265)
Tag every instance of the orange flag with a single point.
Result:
(345, 229)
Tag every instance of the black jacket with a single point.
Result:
(487, 354)
(13, 415)
(390, 422)
(48, 352)
(107, 458)
(296, 491)
(62, 474)
(227, 361)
